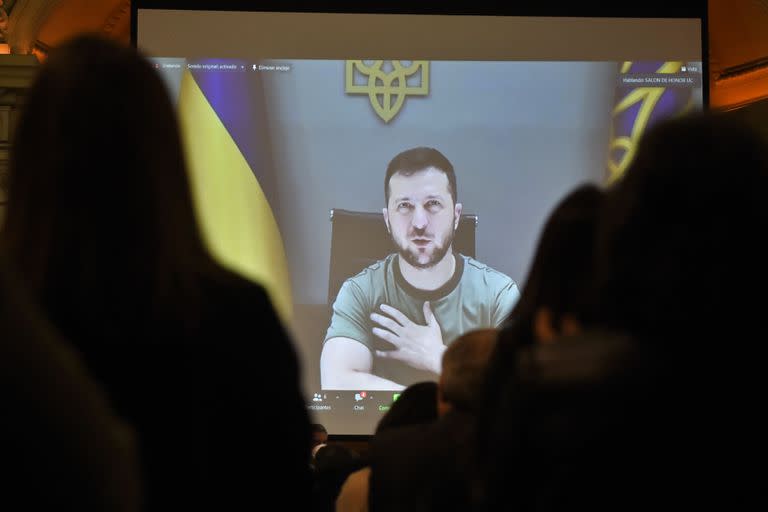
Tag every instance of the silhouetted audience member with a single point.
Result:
(334, 462)
(101, 225)
(62, 446)
(428, 466)
(682, 269)
(319, 440)
(679, 254)
(319, 434)
(573, 429)
(654, 404)
(416, 405)
(559, 288)
(557, 299)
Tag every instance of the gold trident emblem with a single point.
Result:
(382, 86)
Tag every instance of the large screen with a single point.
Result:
(386, 176)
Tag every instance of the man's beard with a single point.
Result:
(437, 255)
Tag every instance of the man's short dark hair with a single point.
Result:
(418, 159)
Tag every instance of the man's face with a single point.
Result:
(421, 216)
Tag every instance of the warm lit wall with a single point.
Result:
(738, 35)
(71, 17)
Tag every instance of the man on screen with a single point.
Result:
(392, 321)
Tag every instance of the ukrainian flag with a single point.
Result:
(637, 108)
(223, 124)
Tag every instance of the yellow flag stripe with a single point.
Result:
(236, 219)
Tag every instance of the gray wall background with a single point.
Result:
(520, 135)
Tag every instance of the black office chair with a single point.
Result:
(359, 239)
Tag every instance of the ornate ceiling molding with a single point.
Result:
(25, 21)
(119, 17)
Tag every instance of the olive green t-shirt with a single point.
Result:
(477, 296)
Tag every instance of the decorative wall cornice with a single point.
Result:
(119, 14)
(24, 23)
(16, 75)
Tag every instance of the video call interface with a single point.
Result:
(289, 161)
